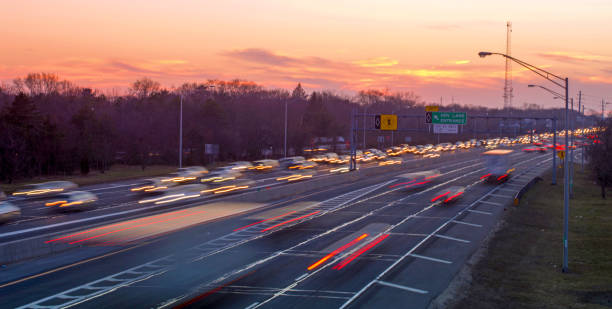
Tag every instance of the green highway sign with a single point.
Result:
(448, 118)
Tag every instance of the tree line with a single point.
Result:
(50, 126)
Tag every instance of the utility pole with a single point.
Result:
(566, 183)
(571, 150)
(181, 135)
(508, 77)
(285, 128)
(581, 126)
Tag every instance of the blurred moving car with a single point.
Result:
(228, 186)
(176, 194)
(73, 200)
(2, 195)
(8, 211)
(291, 161)
(49, 188)
(390, 161)
(340, 169)
(449, 194)
(222, 174)
(153, 186)
(297, 175)
(416, 179)
(186, 175)
(303, 166)
(264, 165)
(240, 165)
(498, 165)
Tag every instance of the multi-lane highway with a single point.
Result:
(366, 242)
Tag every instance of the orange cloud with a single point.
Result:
(376, 62)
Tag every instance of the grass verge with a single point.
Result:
(116, 173)
(522, 267)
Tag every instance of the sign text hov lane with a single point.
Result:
(448, 118)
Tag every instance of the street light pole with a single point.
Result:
(566, 181)
(563, 83)
(181, 135)
(285, 128)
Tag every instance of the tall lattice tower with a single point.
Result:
(508, 84)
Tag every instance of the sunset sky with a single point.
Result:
(429, 47)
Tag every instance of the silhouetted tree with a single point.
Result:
(600, 157)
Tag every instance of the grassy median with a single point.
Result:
(116, 173)
(522, 267)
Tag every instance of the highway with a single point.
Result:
(370, 242)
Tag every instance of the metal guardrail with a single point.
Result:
(521, 192)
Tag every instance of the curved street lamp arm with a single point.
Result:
(537, 70)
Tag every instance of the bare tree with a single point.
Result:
(144, 87)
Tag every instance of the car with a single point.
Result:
(186, 175)
(290, 161)
(297, 175)
(153, 186)
(228, 186)
(73, 200)
(448, 195)
(264, 165)
(192, 171)
(303, 166)
(240, 165)
(497, 165)
(220, 175)
(177, 193)
(390, 161)
(46, 189)
(8, 211)
(416, 179)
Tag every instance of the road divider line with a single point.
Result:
(401, 287)
(430, 258)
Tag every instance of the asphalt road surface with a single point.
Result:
(372, 243)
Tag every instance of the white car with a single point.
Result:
(46, 188)
(222, 174)
(8, 211)
(264, 165)
(73, 200)
(153, 186)
(240, 165)
(448, 195)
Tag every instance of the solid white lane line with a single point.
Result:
(301, 277)
(430, 258)
(480, 212)
(452, 238)
(466, 223)
(401, 287)
(252, 305)
(491, 203)
(502, 196)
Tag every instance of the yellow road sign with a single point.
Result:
(432, 108)
(386, 122)
(561, 154)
